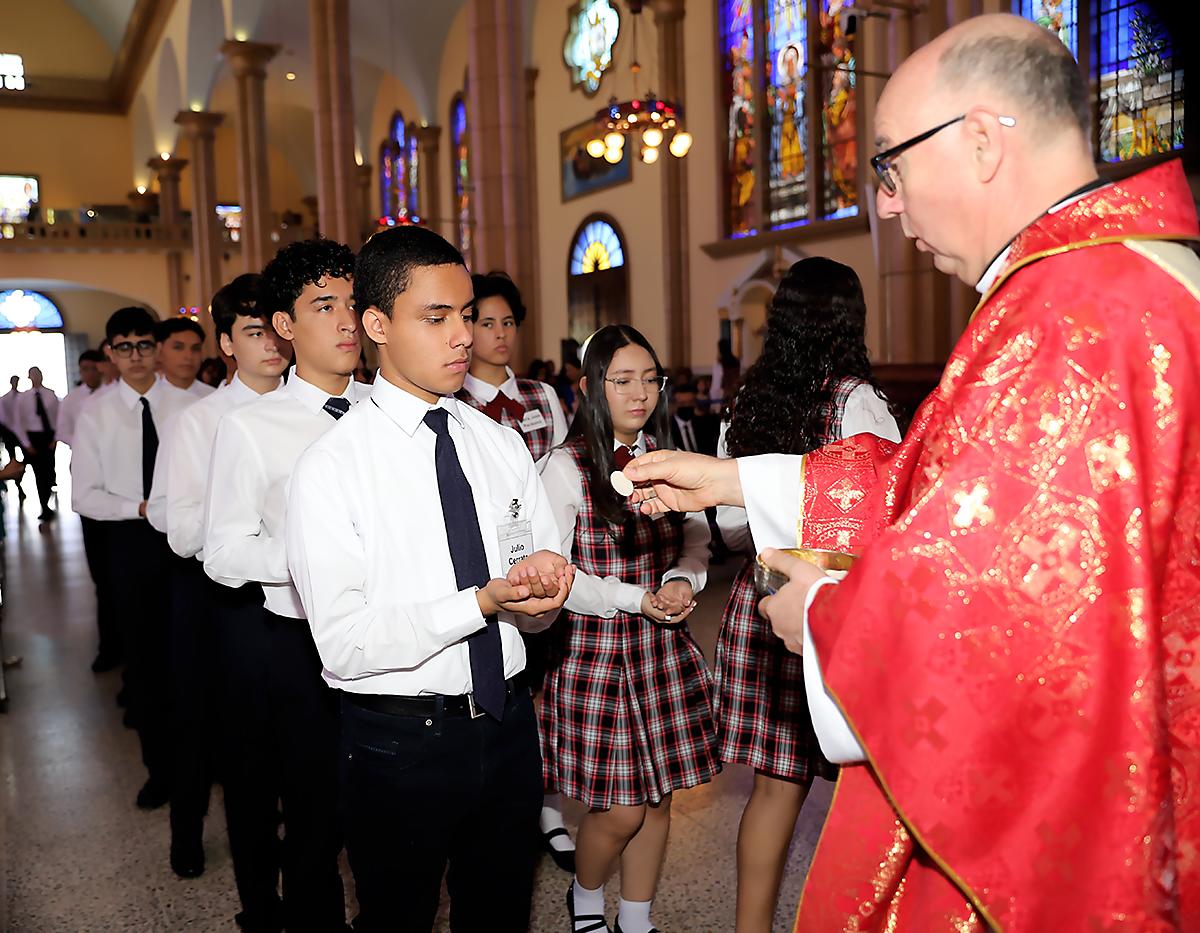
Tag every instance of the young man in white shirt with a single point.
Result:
(284, 729)
(36, 410)
(176, 508)
(112, 467)
(72, 405)
(415, 535)
(180, 353)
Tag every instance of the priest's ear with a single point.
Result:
(375, 324)
(986, 132)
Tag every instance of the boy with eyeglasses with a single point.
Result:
(112, 467)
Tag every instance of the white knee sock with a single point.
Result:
(551, 818)
(588, 902)
(634, 916)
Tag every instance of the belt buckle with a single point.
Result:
(474, 711)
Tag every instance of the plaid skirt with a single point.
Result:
(626, 712)
(761, 708)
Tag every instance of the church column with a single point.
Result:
(668, 17)
(199, 127)
(249, 63)
(333, 121)
(499, 167)
(168, 171)
(428, 182)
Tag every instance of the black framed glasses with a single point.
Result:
(125, 348)
(883, 162)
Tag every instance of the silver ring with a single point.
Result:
(668, 618)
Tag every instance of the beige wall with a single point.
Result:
(80, 158)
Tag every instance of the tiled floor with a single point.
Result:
(76, 854)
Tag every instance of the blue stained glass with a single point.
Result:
(787, 69)
(1061, 17)
(26, 310)
(596, 248)
(737, 50)
(413, 200)
(462, 174)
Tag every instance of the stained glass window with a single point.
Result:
(839, 107)
(412, 199)
(596, 248)
(1140, 82)
(385, 178)
(25, 310)
(787, 61)
(1059, 16)
(461, 172)
(737, 47)
(393, 170)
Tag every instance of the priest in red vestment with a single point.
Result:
(1011, 671)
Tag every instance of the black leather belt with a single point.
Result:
(461, 704)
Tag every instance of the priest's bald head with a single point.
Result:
(1008, 108)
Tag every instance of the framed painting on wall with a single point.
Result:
(581, 174)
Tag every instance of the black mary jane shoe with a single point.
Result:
(187, 858)
(563, 859)
(598, 925)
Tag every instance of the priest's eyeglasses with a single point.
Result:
(884, 162)
(626, 385)
(125, 348)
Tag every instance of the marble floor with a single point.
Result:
(76, 854)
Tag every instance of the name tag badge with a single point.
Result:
(534, 420)
(516, 543)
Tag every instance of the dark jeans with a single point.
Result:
(96, 549)
(279, 726)
(193, 694)
(139, 562)
(41, 461)
(419, 793)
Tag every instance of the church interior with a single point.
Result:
(657, 163)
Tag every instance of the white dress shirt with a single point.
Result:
(367, 546)
(106, 452)
(485, 392)
(176, 505)
(198, 389)
(25, 416)
(8, 409)
(256, 449)
(68, 413)
(604, 596)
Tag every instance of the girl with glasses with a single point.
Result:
(626, 716)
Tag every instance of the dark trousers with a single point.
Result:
(421, 793)
(139, 561)
(41, 461)
(279, 728)
(95, 548)
(193, 694)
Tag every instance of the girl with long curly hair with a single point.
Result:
(811, 386)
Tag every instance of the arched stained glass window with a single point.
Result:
(1136, 72)
(393, 169)
(412, 200)
(839, 112)
(787, 158)
(26, 310)
(737, 48)
(597, 247)
(386, 177)
(460, 171)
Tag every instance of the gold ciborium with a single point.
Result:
(835, 563)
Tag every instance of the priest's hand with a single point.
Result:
(676, 481)
(540, 572)
(785, 610)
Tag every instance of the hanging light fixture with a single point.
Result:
(657, 121)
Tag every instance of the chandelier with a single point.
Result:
(657, 121)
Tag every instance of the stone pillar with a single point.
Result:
(366, 181)
(169, 215)
(428, 144)
(199, 127)
(668, 17)
(333, 121)
(499, 167)
(249, 63)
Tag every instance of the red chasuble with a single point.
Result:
(1017, 650)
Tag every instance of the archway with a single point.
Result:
(597, 278)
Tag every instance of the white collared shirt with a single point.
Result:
(485, 392)
(106, 453)
(604, 596)
(176, 505)
(256, 449)
(68, 412)
(25, 416)
(367, 545)
(199, 388)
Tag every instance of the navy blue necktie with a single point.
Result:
(336, 407)
(470, 564)
(149, 448)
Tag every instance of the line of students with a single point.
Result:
(360, 636)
